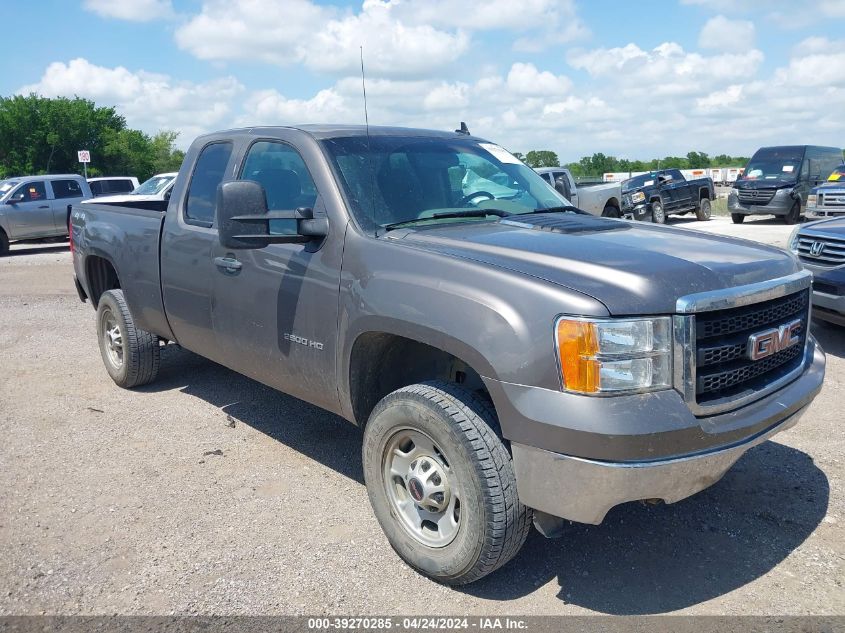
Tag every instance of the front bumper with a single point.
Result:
(780, 204)
(665, 454)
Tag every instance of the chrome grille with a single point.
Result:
(822, 251)
(832, 199)
(723, 369)
(755, 196)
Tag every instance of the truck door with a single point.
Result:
(29, 211)
(275, 309)
(188, 235)
(65, 192)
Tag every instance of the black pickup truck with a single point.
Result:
(509, 357)
(666, 192)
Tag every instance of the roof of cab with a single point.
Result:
(326, 131)
(44, 177)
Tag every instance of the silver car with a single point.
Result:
(34, 207)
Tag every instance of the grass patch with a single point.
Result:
(719, 206)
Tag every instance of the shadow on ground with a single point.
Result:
(643, 559)
(831, 337)
(34, 248)
(312, 431)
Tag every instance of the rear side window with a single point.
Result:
(208, 173)
(66, 189)
(120, 186)
(97, 187)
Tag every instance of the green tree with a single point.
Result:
(541, 158)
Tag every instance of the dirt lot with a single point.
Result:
(209, 493)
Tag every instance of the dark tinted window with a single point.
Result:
(33, 191)
(66, 189)
(285, 178)
(775, 163)
(97, 187)
(208, 173)
(676, 175)
(121, 186)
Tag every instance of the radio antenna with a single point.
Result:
(369, 145)
(364, 89)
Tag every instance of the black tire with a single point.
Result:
(704, 210)
(4, 243)
(794, 215)
(658, 215)
(611, 211)
(737, 218)
(463, 427)
(137, 363)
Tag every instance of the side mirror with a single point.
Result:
(562, 186)
(243, 220)
(18, 197)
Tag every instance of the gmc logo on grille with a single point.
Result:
(768, 342)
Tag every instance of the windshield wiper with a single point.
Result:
(566, 208)
(470, 213)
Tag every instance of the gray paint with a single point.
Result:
(38, 219)
(486, 293)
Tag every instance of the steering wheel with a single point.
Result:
(472, 196)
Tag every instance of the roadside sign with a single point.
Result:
(84, 156)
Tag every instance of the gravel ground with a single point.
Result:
(210, 493)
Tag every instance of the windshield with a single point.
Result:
(154, 185)
(7, 185)
(394, 179)
(778, 163)
(838, 174)
(645, 180)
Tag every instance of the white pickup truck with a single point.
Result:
(603, 198)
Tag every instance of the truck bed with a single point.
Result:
(133, 235)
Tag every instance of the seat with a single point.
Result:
(401, 192)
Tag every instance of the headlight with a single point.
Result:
(793, 240)
(734, 191)
(637, 197)
(811, 200)
(615, 356)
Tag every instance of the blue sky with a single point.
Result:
(634, 79)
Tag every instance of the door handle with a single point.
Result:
(44, 206)
(229, 263)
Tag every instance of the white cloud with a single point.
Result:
(525, 79)
(131, 10)
(723, 34)
(401, 38)
(149, 101)
(298, 31)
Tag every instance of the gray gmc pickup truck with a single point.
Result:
(510, 359)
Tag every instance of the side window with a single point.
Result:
(66, 189)
(33, 191)
(96, 187)
(676, 174)
(208, 173)
(287, 183)
(121, 186)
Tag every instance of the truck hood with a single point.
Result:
(764, 184)
(829, 186)
(632, 268)
(835, 227)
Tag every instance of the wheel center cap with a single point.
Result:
(415, 487)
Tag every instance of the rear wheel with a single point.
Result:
(794, 214)
(658, 215)
(4, 243)
(737, 218)
(441, 482)
(704, 210)
(131, 355)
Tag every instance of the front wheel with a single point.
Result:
(611, 211)
(441, 482)
(130, 354)
(794, 214)
(737, 218)
(658, 215)
(703, 211)
(4, 243)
